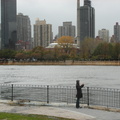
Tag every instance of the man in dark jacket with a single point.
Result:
(79, 93)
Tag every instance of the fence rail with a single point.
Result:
(61, 94)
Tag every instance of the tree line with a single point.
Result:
(99, 50)
(91, 49)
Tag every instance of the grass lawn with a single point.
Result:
(11, 116)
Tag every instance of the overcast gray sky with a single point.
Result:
(55, 12)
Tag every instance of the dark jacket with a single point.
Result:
(79, 91)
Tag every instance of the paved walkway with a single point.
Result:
(46, 110)
(62, 111)
(98, 114)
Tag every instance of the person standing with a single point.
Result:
(79, 93)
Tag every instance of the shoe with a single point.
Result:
(77, 106)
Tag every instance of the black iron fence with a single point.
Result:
(61, 94)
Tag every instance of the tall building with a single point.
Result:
(78, 23)
(104, 35)
(85, 20)
(66, 30)
(117, 32)
(8, 24)
(0, 36)
(24, 30)
(43, 35)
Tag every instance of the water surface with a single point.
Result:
(92, 76)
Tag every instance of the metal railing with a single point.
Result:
(61, 94)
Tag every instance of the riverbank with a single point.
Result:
(68, 62)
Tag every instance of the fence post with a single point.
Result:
(47, 93)
(119, 99)
(12, 93)
(88, 96)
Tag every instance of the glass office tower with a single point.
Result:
(87, 20)
(8, 24)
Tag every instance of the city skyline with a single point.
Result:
(105, 16)
(57, 12)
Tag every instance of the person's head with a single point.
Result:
(77, 82)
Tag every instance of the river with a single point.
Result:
(91, 76)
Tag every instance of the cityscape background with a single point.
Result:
(26, 25)
(57, 11)
(106, 12)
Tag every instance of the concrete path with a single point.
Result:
(98, 114)
(64, 111)
(46, 110)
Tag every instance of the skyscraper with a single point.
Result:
(85, 20)
(24, 29)
(43, 35)
(104, 35)
(117, 32)
(66, 30)
(8, 24)
(78, 23)
(0, 36)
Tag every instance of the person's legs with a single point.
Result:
(77, 103)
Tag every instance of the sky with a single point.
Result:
(55, 12)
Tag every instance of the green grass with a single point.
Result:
(13, 116)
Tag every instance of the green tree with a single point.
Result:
(7, 53)
(87, 47)
(38, 52)
(56, 53)
(104, 51)
(49, 55)
(73, 54)
(19, 56)
(63, 57)
(116, 51)
(23, 55)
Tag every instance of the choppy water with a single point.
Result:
(92, 76)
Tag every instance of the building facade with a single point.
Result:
(117, 32)
(8, 24)
(23, 31)
(0, 36)
(104, 35)
(66, 30)
(85, 21)
(43, 35)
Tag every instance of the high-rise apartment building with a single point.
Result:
(85, 20)
(117, 32)
(43, 35)
(104, 35)
(66, 30)
(24, 30)
(8, 24)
